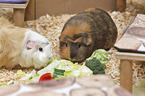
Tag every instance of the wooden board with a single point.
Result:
(133, 39)
(121, 5)
(130, 56)
(9, 5)
(30, 11)
(58, 7)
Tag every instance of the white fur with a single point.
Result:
(32, 57)
(22, 46)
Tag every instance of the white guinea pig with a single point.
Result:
(22, 46)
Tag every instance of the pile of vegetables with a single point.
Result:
(60, 69)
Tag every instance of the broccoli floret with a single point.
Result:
(95, 65)
(101, 55)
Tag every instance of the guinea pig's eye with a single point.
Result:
(66, 44)
(41, 49)
(79, 45)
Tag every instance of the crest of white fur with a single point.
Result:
(33, 57)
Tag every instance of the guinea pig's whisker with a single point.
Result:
(50, 59)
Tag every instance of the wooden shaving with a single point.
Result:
(51, 26)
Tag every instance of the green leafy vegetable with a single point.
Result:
(58, 72)
(2, 84)
(95, 65)
(101, 55)
(70, 70)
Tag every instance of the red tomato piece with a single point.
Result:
(46, 76)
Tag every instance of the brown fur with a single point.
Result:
(74, 30)
(87, 31)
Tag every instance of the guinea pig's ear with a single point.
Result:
(87, 41)
(31, 44)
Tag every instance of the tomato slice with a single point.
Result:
(46, 76)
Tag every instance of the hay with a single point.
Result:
(51, 26)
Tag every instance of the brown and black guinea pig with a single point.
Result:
(85, 32)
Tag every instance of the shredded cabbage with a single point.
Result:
(71, 69)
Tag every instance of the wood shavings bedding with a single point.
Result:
(51, 26)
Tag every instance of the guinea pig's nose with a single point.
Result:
(73, 60)
(77, 60)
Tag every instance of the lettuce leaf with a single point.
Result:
(101, 55)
